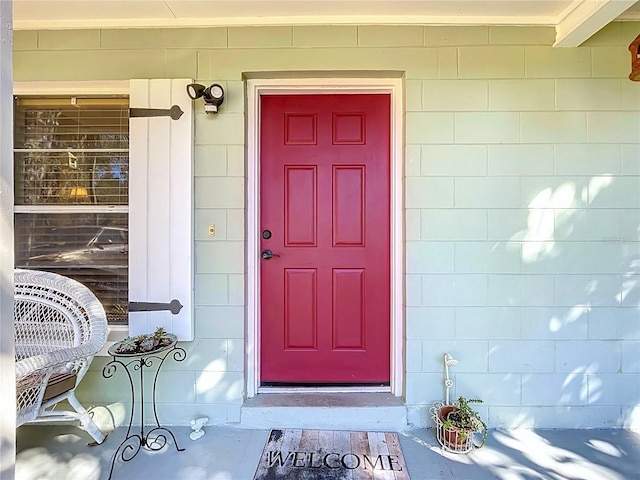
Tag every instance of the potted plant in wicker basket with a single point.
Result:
(457, 423)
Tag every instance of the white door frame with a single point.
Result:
(255, 89)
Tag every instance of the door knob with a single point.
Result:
(268, 254)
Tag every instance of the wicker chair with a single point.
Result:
(59, 326)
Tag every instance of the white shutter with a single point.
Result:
(161, 207)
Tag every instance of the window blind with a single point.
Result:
(71, 151)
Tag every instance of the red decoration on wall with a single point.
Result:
(634, 48)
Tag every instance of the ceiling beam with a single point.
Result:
(585, 18)
(235, 21)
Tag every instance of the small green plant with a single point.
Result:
(466, 419)
(159, 333)
(128, 345)
(145, 343)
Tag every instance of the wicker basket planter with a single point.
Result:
(451, 437)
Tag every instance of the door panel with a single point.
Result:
(324, 196)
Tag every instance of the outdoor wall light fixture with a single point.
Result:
(213, 95)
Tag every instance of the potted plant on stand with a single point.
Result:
(143, 344)
(457, 423)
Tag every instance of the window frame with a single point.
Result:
(76, 88)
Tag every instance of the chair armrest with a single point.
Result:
(50, 361)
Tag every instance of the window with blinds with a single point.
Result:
(71, 177)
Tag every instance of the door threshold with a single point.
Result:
(327, 389)
(320, 410)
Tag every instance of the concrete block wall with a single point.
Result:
(523, 229)
(522, 197)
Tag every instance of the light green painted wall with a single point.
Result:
(522, 198)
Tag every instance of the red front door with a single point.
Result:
(324, 216)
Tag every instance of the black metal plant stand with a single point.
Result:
(156, 437)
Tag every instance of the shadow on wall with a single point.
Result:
(586, 235)
(208, 382)
(606, 287)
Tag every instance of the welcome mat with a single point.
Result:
(331, 455)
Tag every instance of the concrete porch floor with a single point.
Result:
(231, 453)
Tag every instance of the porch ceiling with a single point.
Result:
(574, 20)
